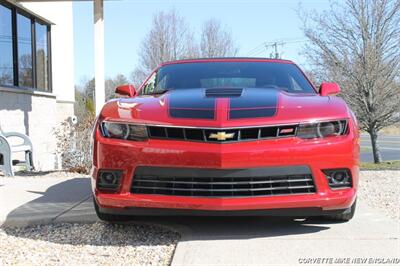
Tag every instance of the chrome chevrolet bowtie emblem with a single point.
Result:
(221, 135)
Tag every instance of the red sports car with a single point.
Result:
(228, 136)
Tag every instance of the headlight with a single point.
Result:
(123, 131)
(322, 129)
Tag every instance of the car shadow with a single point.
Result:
(74, 196)
(228, 228)
(51, 203)
(41, 217)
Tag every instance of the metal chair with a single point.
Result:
(7, 149)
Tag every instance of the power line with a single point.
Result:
(276, 53)
(274, 45)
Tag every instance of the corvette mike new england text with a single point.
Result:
(349, 260)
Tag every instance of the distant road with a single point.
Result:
(389, 147)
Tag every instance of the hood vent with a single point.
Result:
(224, 92)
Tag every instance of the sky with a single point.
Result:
(126, 22)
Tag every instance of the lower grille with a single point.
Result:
(222, 183)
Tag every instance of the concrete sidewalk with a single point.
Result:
(279, 241)
(213, 240)
(40, 200)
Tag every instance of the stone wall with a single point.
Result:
(36, 114)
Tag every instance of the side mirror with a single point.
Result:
(327, 89)
(127, 90)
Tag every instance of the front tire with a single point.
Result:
(346, 216)
(111, 218)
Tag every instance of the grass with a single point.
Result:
(393, 130)
(388, 165)
(365, 149)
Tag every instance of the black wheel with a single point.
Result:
(347, 215)
(111, 218)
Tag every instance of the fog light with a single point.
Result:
(109, 179)
(338, 178)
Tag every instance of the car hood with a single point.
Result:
(225, 108)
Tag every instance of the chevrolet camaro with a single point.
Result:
(226, 136)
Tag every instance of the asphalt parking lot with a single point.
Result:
(389, 146)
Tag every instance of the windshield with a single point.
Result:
(268, 75)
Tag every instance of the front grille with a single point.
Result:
(221, 183)
(221, 135)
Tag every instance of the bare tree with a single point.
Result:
(138, 76)
(112, 83)
(6, 74)
(25, 70)
(356, 44)
(168, 39)
(216, 40)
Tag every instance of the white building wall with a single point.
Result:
(62, 45)
(38, 114)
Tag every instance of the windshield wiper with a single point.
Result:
(159, 92)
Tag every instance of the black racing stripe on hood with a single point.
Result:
(191, 104)
(254, 103)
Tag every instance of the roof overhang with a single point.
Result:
(27, 10)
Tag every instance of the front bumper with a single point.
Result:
(329, 153)
(287, 212)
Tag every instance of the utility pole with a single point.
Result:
(274, 45)
(276, 50)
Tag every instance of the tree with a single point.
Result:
(6, 75)
(112, 83)
(216, 40)
(84, 99)
(25, 70)
(80, 103)
(89, 88)
(169, 39)
(137, 77)
(357, 45)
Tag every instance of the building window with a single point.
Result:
(6, 47)
(24, 44)
(42, 63)
(24, 49)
